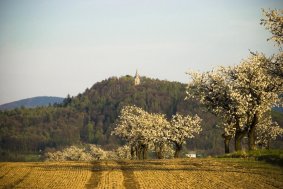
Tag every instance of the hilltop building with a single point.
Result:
(137, 78)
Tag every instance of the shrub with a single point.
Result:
(89, 152)
(123, 152)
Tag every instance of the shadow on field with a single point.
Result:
(95, 176)
(271, 160)
(17, 182)
(128, 174)
(129, 166)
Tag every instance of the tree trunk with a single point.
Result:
(144, 151)
(227, 140)
(156, 151)
(178, 148)
(159, 150)
(268, 144)
(132, 152)
(138, 151)
(239, 135)
(251, 137)
(251, 133)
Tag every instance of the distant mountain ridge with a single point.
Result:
(278, 109)
(32, 102)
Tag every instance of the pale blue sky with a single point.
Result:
(60, 47)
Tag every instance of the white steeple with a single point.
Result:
(137, 78)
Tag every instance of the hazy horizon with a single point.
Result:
(55, 48)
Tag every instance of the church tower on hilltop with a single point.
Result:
(137, 78)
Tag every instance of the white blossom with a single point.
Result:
(238, 95)
(143, 130)
(266, 131)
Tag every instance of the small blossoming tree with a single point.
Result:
(182, 128)
(142, 130)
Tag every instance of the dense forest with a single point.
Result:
(90, 117)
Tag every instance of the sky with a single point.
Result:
(60, 47)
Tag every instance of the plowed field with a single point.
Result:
(181, 173)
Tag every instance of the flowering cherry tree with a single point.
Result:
(159, 135)
(123, 152)
(88, 152)
(241, 95)
(132, 126)
(142, 130)
(266, 131)
(238, 95)
(273, 22)
(214, 89)
(182, 128)
(256, 91)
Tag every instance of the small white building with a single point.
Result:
(191, 155)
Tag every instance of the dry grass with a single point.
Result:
(182, 173)
(44, 175)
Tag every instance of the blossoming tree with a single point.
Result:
(214, 90)
(256, 91)
(242, 94)
(273, 21)
(238, 95)
(131, 126)
(266, 131)
(182, 128)
(142, 130)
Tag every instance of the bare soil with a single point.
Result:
(180, 173)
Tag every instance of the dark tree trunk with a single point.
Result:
(178, 148)
(227, 140)
(161, 151)
(239, 135)
(227, 147)
(251, 133)
(138, 151)
(144, 151)
(132, 152)
(251, 137)
(159, 148)
(268, 144)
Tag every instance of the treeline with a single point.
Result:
(32, 130)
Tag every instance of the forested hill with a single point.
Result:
(32, 102)
(90, 117)
(102, 103)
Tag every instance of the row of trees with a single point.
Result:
(242, 96)
(143, 131)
